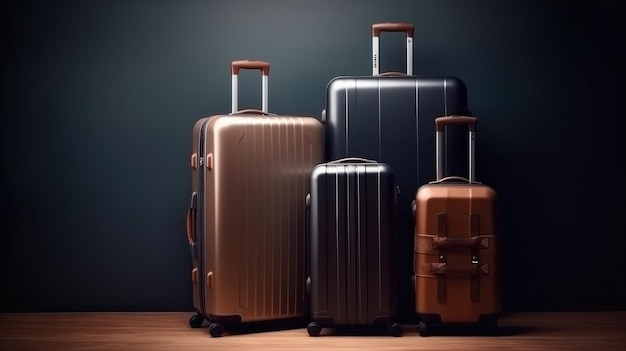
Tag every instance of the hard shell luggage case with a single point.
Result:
(353, 245)
(246, 224)
(388, 117)
(456, 245)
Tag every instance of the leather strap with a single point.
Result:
(474, 270)
(442, 232)
(470, 243)
(442, 269)
(475, 232)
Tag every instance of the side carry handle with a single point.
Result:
(441, 123)
(191, 228)
(238, 65)
(377, 28)
(189, 223)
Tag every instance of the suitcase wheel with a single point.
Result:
(395, 329)
(423, 329)
(216, 329)
(196, 321)
(314, 329)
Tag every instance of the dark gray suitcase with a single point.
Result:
(353, 273)
(389, 117)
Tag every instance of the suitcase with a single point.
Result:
(456, 246)
(388, 117)
(246, 223)
(353, 273)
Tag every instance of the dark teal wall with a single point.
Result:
(99, 98)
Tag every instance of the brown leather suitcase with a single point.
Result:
(457, 272)
(246, 223)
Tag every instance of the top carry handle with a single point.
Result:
(249, 64)
(377, 28)
(352, 160)
(441, 123)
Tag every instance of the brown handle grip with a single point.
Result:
(251, 111)
(250, 64)
(445, 269)
(441, 122)
(190, 237)
(469, 243)
(392, 27)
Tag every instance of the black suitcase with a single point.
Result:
(352, 245)
(389, 118)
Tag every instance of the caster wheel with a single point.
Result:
(196, 321)
(395, 329)
(314, 329)
(216, 330)
(423, 329)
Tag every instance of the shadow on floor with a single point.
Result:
(263, 327)
(368, 330)
(474, 330)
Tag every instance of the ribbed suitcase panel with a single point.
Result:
(352, 268)
(256, 244)
(272, 272)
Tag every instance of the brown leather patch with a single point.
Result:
(194, 275)
(483, 243)
(209, 280)
(424, 243)
(194, 161)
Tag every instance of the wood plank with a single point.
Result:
(170, 331)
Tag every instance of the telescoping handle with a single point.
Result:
(377, 28)
(441, 123)
(249, 64)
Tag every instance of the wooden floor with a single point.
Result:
(170, 331)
